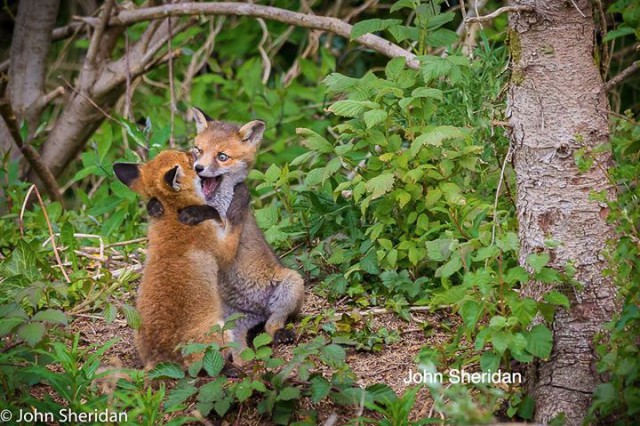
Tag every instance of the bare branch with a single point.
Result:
(626, 73)
(29, 49)
(97, 35)
(498, 12)
(32, 156)
(332, 25)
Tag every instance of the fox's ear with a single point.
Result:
(172, 178)
(128, 173)
(201, 119)
(252, 132)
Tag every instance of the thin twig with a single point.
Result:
(333, 25)
(53, 241)
(626, 73)
(127, 93)
(91, 101)
(24, 207)
(378, 311)
(507, 158)
(498, 12)
(578, 9)
(172, 91)
(266, 62)
(98, 32)
(78, 235)
(126, 243)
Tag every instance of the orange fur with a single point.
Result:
(178, 299)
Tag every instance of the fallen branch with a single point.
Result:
(378, 311)
(32, 156)
(626, 73)
(328, 24)
(498, 12)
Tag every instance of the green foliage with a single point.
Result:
(380, 185)
(618, 400)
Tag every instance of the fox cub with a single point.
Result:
(255, 283)
(178, 299)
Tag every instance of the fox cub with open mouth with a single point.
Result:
(178, 299)
(253, 282)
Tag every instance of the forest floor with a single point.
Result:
(390, 365)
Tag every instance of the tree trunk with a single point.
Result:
(29, 49)
(558, 108)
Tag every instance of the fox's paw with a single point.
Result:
(284, 336)
(155, 208)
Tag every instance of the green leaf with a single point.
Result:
(289, 393)
(527, 408)
(213, 363)
(402, 4)
(498, 322)
(166, 370)
(131, 315)
(272, 174)
(501, 340)
(32, 333)
(179, 395)
(372, 25)
(349, 108)
(489, 361)
(394, 68)
(262, 339)
(314, 141)
(8, 324)
(556, 298)
(247, 354)
(402, 32)
(538, 261)
(441, 38)
(222, 406)
(339, 83)
(617, 33)
(53, 316)
(334, 353)
(320, 388)
(267, 217)
(470, 312)
(22, 261)
(540, 341)
(244, 390)
(380, 185)
(449, 268)
(427, 92)
(373, 117)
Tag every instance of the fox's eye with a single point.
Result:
(196, 152)
(223, 157)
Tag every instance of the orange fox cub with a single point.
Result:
(178, 300)
(255, 283)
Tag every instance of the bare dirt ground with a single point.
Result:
(389, 365)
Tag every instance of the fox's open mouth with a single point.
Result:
(209, 185)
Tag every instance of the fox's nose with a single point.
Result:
(199, 168)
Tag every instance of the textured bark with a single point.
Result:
(29, 49)
(558, 105)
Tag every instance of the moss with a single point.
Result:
(515, 47)
(517, 76)
(548, 50)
